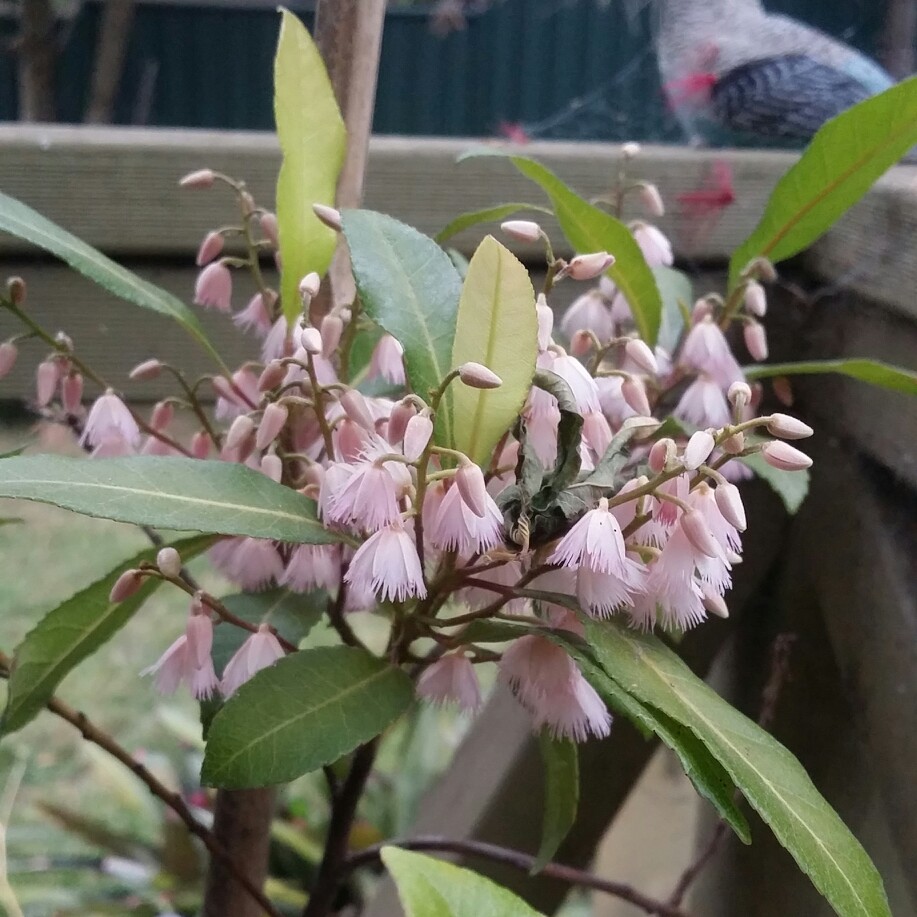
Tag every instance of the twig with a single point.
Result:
(97, 736)
(523, 862)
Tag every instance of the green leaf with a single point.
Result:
(837, 168)
(493, 214)
(409, 286)
(771, 778)
(430, 888)
(497, 327)
(589, 229)
(875, 372)
(569, 436)
(561, 779)
(74, 630)
(22, 221)
(677, 294)
(167, 492)
(313, 141)
(306, 710)
(790, 486)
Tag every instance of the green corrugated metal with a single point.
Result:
(561, 68)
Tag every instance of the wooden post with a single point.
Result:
(111, 48)
(37, 49)
(897, 42)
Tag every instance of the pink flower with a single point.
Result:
(469, 479)
(704, 404)
(188, 658)
(588, 312)
(367, 499)
(655, 246)
(451, 680)
(547, 682)
(252, 563)
(277, 341)
(260, 650)
(388, 563)
(456, 527)
(706, 350)
(596, 432)
(672, 587)
(583, 386)
(109, 421)
(237, 396)
(8, 354)
(213, 288)
(612, 401)
(388, 361)
(417, 435)
(255, 317)
(47, 375)
(312, 566)
(272, 422)
(541, 435)
(211, 247)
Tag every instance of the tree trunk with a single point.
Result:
(242, 824)
(111, 48)
(37, 48)
(898, 37)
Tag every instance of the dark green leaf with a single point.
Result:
(605, 474)
(487, 215)
(589, 229)
(790, 486)
(875, 372)
(430, 888)
(493, 631)
(771, 778)
(569, 438)
(837, 168)
(561, 779)
(677, 296)
(20, 220)
(306, 710)
(408, 285)
(172, 493)
(74, 630)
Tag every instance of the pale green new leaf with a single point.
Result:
(590, 229)
(409, 286)
(487, 215)
(428, 887)
(561, 796)
(837, 168)
(497, 327)
(167, 492)
(770, 777)
(74, 630)
(22, 221)
(875, 372)
(313, 140)
(677, 298)
(305, 711)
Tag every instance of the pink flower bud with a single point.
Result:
(148, 369)
(698, 533)
(270, 228)
(416, 436)
(755, 299)
(633, 392)
(309, 286)
(162, 415)
(703, 309)
(470, 482)
(71, 393)
(783, 390)
(310, 339)
(779, 454)
(169, 562)
(787, 427)
(545, 322)
(729, 503)
(211, 247)
(272, 376)
(763, 269)
(398, 421)
(356, 408)
(640, 353)
(739, 394)
(16, 290)
(272, 467)
(47, 376)
(651, 199)
(329, 216)
(588, 267)
(332, 329)
(272, 421)
(714, 602)
(475, 375)
(756, 340)
(660, 454)
(203, 178)
(240, 432)
(698, 450)
(8, 354)
(734, 444)
(200, 444)
(580, 343)
(125, 586)
(522, 230)
(213, 288)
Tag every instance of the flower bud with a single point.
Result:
(272, 467)
(643, 426)
(310, 339)
(162, 415)
(522, 230)
(588, 267)
(71, 392)
(16, 290)
(785, 457)
(416, 436)
(783, 390)
(200, 444)
(272, 376)
(729, 503)
(698, 533)
(8, 354)
(270, 228)
(633, 392)
(329, 216)
(475, 375)
(580, 343)
(755, 299)
(356, 408)
(638, 351)
(545, 317)
(756, 340)
(202, 178)
(739, 394)
(398, 421)
(148, 369)
(272, 421)
(762, 268)
(703, 309)
(734, 444)
(660, 454)
(210, 248)
(470, 481)
(309, 286)
(787, 427)
(714, 602)
(47, 375)
(332, 329)
(631, 149)
(125, 586)
(169, 562)
(241, 430)
(698, 450)
(651, 199)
